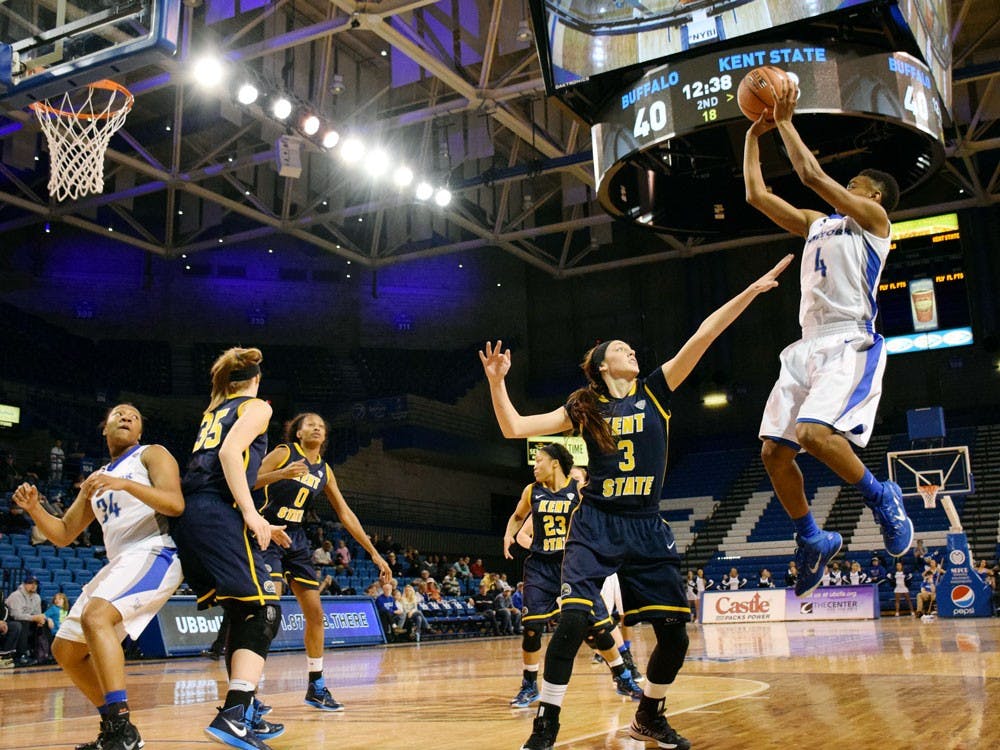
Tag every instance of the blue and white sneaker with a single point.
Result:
(259, 708)
(320, 698)
(812, 556)
(229, 728)
(527, 695)
(627, 686)
(265, 730)
(890, 515)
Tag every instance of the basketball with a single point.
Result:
(756, 91)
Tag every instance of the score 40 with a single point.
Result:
(704, 93)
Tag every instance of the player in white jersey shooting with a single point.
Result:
(130, 497)
(831, 379)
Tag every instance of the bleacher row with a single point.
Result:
(64, 569)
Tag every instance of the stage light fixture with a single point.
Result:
(442, 197)
(310, 125)
(247, 94)
(424, 191)
(208, 71)
(378, 163)
(403, 176)
(330, 138)
(351, 150)
(337, 87)
(523, 33)
(281, 108)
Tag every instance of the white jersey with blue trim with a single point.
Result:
(841, 266)
(126, 521)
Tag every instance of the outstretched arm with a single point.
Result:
(677, 369)
(781, 212)
(59, 531)
(353, 525)
(862, 208)
(496, 363)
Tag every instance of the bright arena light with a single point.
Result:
(330, 138)
(281, 108)
(352, 150)
(377, 163)
(403, 176)
(424, 191)
(442, 197)
(247, 94)
(310, 125)
(208, 71)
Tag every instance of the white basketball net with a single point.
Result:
(78, 130)
(929, 493)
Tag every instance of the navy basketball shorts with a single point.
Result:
(541, 588)
(641, 549)
(294, 563)
(221, 561)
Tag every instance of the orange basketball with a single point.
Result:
(756, 91)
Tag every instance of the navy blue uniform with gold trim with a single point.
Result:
(284, 503)
(617, 527)
(220, 560)
(550, 515)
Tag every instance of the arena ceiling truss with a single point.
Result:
(457, 92)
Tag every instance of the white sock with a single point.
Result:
(654, 691)
(245, 685)
(314, 665)
(551, 693)
(531, 667)
(618, 660)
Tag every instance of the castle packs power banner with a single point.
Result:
(781, 605)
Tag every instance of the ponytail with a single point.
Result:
(583, 407)
(243, 364)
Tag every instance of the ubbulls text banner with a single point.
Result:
(180, 629)
(781, 605)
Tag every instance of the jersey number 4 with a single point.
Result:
(820, 263)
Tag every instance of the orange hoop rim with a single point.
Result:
(108, 85)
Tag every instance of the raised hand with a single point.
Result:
(770, 279)
(786, 93)
(496, 361)
(26, 496)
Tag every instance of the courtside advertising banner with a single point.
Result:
(180, 629)
(781, 605)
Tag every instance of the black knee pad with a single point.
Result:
(565, 642)
(601, 638)
(668, 656)
(531, 640)
(253, 627)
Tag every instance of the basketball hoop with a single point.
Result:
(78, 131)
(929, 493)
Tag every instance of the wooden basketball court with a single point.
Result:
(885, 685)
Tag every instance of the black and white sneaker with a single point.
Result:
(119, 734)
(658, 732)
(543, 734)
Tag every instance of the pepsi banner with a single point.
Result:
(781, 605)
(180, 629)
(962, 592)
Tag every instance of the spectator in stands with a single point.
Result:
(877, 572)
(394, 565)
(57, 612)
(462, 571)
(389, 611)
(764, 580)
(856, 576)
(927, 595)
(57, 458)
(508, 615)
(934, 569)
(322, 556)
(919, 553)
(10, 630)
(130, 497)
(25, 607)
(425, 576)
(433, 592)
(617, 527)
(827, 577)
(342, 557)
(450, 585)
(732, 581)
(836, 575)
(483, 602)
(15, 521)
(443, 567)
(828, 389)
(10, 476)
(986, 573)
(901, 587)
(413, 619)
(517, 597)
(476, 569)
(791, 575)
(292, 476)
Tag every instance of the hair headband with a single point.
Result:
(244, 373)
